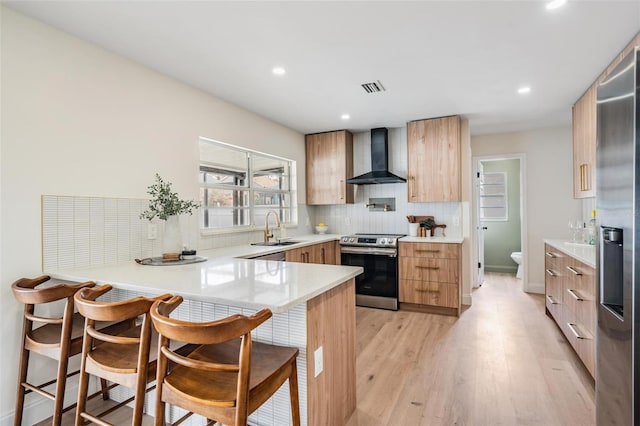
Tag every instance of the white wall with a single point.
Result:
(78, 120)
(549, 182)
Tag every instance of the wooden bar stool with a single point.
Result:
(229, 376)
(58, 338)
(122, 358)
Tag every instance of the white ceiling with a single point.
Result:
(435, 58)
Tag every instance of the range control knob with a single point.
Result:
(383, 241)
(352, 240)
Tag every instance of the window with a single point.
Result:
(239, 186)
(493, 197)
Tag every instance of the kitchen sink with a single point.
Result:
(277, 243)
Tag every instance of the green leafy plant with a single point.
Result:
(165, 203)
(427, 223)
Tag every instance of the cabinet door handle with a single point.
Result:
(427, 251)
(551, 255)
(575, 296)
(585, 179)
(573, 330)
(431, 268)
(341, 189)
(322, 255)
(411, 184)
(426, 290)
(574, 271)
(550, 299)
(551, 273)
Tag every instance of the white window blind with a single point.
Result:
(493, 197)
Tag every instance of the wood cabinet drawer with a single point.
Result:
(429, 250)
(429, 293)
(425, 269)
(580, 297)
(554, 258)
(570, 298)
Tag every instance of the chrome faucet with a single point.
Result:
(267, 233)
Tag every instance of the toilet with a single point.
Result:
(516, 256)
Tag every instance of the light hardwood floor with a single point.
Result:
(503, 362)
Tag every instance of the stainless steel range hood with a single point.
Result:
(379, 161)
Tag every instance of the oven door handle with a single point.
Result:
(370, 250)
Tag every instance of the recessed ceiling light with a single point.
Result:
(279, 71)
(524, 90)
(345, 116)
(555, 4)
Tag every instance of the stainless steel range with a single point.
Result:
(377, 254)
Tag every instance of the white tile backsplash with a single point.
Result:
(92, 231)
(354, 218)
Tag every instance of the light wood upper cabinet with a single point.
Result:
(584, 126)
(584, 145)
(434, 156)
(329, 163)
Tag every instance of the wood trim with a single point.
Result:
(331, 323)
(428, 309)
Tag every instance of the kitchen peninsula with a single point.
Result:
(313, 306)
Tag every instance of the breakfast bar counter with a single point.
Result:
(313, 306)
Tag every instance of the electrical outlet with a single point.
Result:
(456, 221)
(347, 220)
(152, 231)
(318, 361)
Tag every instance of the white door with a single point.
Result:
(480, 228)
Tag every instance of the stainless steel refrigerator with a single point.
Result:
(617, 205)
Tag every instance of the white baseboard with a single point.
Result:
(466, 299)
(537, 288)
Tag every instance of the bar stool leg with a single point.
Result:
(24, 365)
(22, 377)
(63, 363)
(293, 394)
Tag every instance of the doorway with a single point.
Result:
(500, 217)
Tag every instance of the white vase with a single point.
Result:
(172, 239)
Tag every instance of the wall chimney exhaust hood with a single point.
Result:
(379, 161)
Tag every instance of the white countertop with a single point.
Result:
(225, 278)
(440, 240)
(585, 253)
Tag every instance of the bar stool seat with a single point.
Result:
(59, 337)
(124, 357)
(229, 376)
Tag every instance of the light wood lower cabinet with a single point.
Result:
(323, 253)
(570, 288)
(555, 262)
(430, 277)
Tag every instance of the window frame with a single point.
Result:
(286, 213)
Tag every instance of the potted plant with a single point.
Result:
(166, 205)
(428, 224)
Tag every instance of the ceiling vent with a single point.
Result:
(373, 87)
